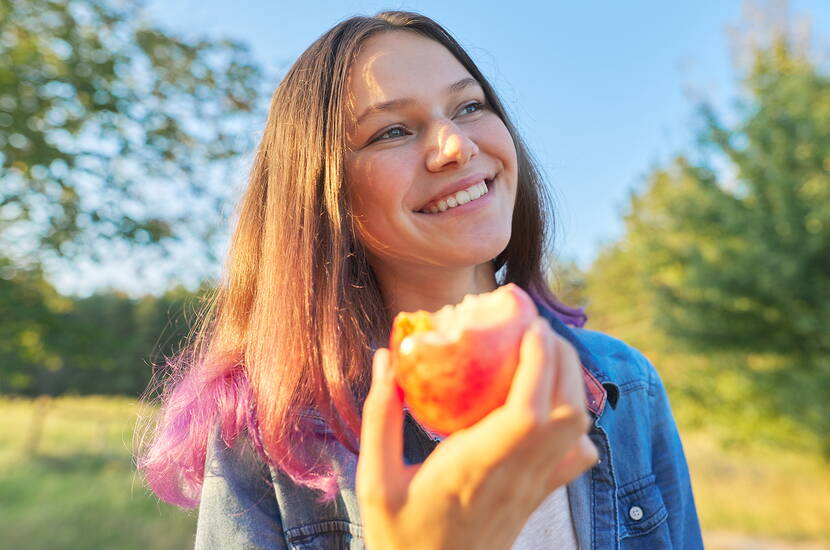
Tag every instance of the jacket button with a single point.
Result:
(635, 513)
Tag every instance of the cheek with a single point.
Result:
(366, 185)
(498, 142)
(383, 180)
(375, 197)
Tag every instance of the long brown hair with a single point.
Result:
(297, 314)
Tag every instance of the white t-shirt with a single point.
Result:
(550, 526)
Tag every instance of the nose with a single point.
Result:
(449, 146)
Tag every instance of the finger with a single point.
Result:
(534, 377)
(569, 385)
(568, 419)
(381, 436)
(580, 458)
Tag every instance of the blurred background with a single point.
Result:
(688, 146)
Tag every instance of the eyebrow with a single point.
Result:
(396, 104)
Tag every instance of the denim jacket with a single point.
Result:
(638, 495)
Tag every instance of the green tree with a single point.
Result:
(110, 127)
(735, 271)
(110, 343)
(745, 265)
(30, 309)
(107, 343)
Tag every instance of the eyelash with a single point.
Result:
(477, 104)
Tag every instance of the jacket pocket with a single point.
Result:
(642, 514)
(326, 535)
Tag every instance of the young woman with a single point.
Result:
(389, 178)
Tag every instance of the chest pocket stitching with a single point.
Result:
(633, 386)
(297, 534)
(645, 494)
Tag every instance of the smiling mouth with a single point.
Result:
(462, 197)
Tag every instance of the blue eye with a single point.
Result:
(471, 108)
(391, 133)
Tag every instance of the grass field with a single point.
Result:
(79, 489)
(73, 485)
(760, 491)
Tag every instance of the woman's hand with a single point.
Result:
(480, 485)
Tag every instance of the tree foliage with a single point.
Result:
(107, 343)
(30, 308)
(108, 126)
(729, 267)
(744, 265)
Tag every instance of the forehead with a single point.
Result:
(396, 64)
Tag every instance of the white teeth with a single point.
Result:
(462, 197)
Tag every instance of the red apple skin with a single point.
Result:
(452, 386)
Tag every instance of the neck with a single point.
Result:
(410, 288)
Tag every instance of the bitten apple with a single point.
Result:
(457, 364)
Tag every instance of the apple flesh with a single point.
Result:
(456, 365)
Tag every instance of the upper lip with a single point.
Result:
(456, 186)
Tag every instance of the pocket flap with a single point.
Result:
(640, 507)
(324, 535)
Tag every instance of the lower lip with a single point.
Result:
(471, 206)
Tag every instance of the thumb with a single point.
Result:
(380, 463)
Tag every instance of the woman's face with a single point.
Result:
(419, 131)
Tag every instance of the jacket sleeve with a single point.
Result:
(238, 507)
(671, 470)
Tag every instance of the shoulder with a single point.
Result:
(238, 506)
(616, 361)
(235, 462)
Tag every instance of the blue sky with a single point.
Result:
(602, 91)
